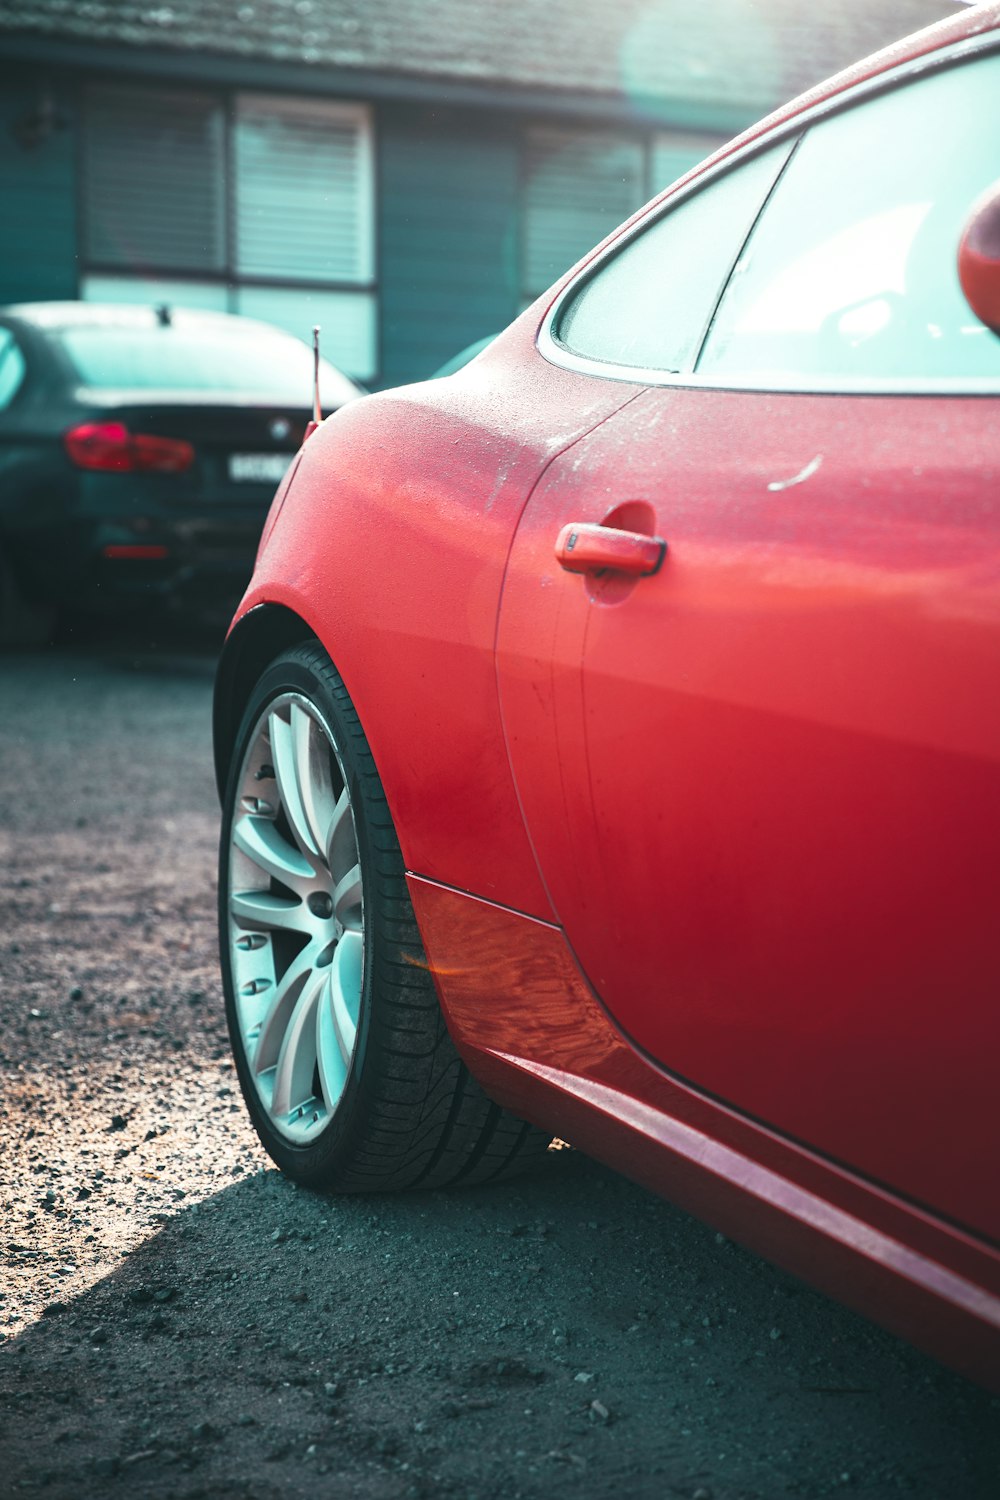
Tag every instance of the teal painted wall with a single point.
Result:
(447, 232)
(37, 196)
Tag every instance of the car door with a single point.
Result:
(763, 781)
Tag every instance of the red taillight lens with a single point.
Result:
(99, 445)
(110, 446)
(135, 551)
(160, 455)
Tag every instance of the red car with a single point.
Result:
(610, 735)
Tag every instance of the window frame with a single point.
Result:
(244, 101)
(227, 278)
(556, 353)
(99, 88)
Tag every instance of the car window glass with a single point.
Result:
(852, 268)
(232, 357)
(647, 307)
(11, 367)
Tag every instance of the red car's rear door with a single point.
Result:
(763, 784)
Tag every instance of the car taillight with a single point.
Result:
(110, 446)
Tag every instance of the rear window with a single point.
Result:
(649, 305)
(11, 367)
(247, 361)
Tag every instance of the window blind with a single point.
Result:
(153, 174)
(303, 190)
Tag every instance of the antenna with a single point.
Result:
(317, 409)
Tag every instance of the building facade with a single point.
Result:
(408, 175)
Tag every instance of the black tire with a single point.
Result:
(23, 622)
(410, 1114)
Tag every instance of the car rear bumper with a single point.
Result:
(181, 558)
(195, 557)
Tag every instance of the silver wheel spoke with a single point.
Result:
(280, 1005)
(259, 909)
(293, 1074)
(347, 900)
(332, 1063)
(260, 840)
(345, 991)
(312, 765)
(287, 770)
(341, 842)
(296, 918)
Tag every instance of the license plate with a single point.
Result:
(259, 468)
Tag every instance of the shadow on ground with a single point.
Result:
(565, 1334)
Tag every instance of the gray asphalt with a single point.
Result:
(177, 1320)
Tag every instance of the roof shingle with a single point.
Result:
(752, 53)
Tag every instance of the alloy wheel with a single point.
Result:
(295, 918)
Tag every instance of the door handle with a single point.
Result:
(598, 549)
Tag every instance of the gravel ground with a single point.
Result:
(177, 1320)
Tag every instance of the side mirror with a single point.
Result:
(979, 258)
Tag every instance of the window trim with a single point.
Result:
(556, 353)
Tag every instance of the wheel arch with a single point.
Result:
(254, 641)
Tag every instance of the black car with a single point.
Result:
(140, 448)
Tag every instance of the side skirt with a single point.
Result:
(533, 1032)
